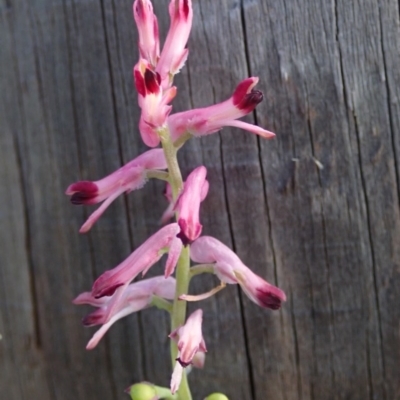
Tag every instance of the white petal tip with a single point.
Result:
(85, 228)
(268, 135)
(90, 346)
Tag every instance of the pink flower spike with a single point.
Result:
(146, 21)
(139, 261)
(204, 121)
(174, 54)
(137, 296)
(188, 204)
(127, 178)
(230, 269)
(190, 341)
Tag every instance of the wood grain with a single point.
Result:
(315, 210)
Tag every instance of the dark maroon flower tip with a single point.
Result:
(269, 300)
(186, 9)
(139, 83)
(82, 186)
(152, 81)
(139, 9)
(242, 90)
(102, 286)
(81, 198)
(82, 192)
(250, 101)
(184, 230)
(185, 240)
(184, 364)
(95, 318)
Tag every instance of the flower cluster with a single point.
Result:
(114, 293)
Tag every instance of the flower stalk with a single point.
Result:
(178, 313)
(170, 153)
(117, 292)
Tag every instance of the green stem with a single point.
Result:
(153, 173)
(161, 303)
(201, 269)
(184, 389)
(178, 314)
(181, 141)
(182, 286)
(175, 176)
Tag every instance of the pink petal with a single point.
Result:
(172, 55)
(173, 256)
(151, 159)
(99, 212)
(176, 378)
(188, 204)
(148, 134)
(168, 214)
(126, 300)
(230, 269)
(83, 192)
(101, 332)
(190, 338)
(242, 89)
(165, 287)
(204, 121)
(260, 291)
(140, 260)
(207, 249)
(146, 21)
(125, 179)
(87, 298)
(179, 61)
(199, 360)
(204, 190)
(251, 128)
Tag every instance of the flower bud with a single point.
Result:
(216, 396)
(142, 391)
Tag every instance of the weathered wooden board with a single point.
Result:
(315, 210)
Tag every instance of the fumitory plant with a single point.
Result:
(114, 294)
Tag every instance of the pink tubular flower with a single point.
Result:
(230, 269)
(174, 54)
(204, 121)
(140, 261)
(127, 178)
(188, 204)
(190, 340)
(153, 101)
(146, 21)
(135, 297)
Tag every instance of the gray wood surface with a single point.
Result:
(316, 210)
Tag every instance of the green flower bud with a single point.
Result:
(216, 396)
(143, 391)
